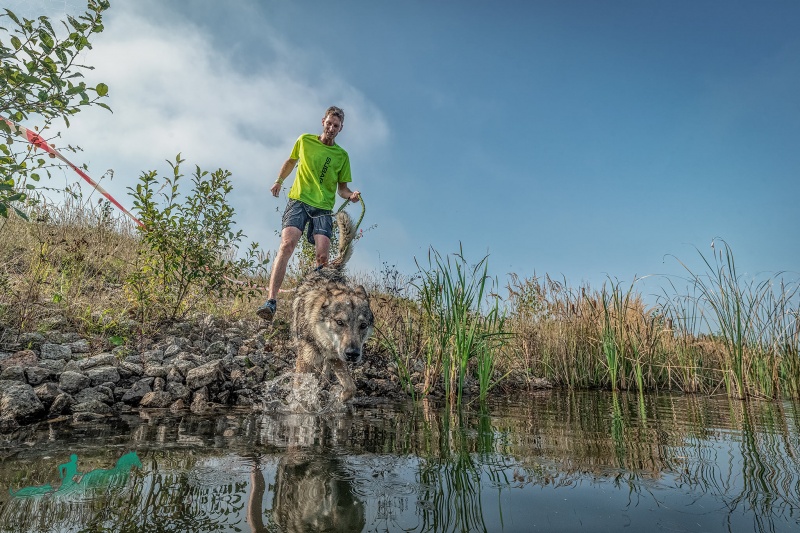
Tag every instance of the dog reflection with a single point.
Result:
(313, 493)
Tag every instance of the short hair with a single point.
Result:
(335, 111)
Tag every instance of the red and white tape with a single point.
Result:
(36, 140)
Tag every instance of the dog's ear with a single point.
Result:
(361, 292)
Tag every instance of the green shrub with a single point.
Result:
(188, 249)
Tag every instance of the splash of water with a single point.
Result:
(296, 392)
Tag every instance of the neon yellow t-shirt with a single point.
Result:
(321, 168)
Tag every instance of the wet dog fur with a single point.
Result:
(331, 320)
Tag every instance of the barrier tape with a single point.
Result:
(36, 140)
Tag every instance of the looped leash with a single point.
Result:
(363, 209)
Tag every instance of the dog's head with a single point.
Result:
(347, 321)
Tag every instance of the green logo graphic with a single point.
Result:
(72, 480)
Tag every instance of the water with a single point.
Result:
(554, 461)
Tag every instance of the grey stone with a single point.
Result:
(138, 390)
(94, 394)
(204, 375)
(92, 406)
(37, 375)
(156, 399)
(18, 401)
(127, 369)
(86, 416)
(183, 366)
(32, 340)
(103, 359)
(13, 373)
(153, 356)
(22, 358)
(175, 375)
(80, 346)
(47, 392)
(55, 366)
(156, 371)
(218, 348)
(172, 351)
(71, 382)
(178, 390)
(103, 374)
(60, 405)
(56, 351)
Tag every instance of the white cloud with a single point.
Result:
(172, 91)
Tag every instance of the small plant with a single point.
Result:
(188, 249)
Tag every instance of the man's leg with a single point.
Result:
(289, 238)
(322, 247)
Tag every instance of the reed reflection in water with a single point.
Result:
(549, 462)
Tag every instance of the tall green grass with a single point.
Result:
(451, 295)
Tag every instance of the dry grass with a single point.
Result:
(68, 269)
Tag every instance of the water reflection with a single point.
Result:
(553, 462)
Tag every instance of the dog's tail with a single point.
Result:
(347, 233)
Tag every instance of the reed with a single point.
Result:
(452, 296)
(751, 322)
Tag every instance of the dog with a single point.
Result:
(332, 320)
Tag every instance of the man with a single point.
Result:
(324, 171)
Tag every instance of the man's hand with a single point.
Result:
(275, 189)
(355, 196)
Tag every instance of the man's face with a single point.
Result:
(331, 126)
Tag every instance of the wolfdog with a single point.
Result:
(331, 320)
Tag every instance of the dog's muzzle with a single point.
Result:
(352, 355)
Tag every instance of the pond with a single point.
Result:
(550, 461)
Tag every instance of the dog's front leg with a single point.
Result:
(345, 380)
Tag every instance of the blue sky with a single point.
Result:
(582, 139)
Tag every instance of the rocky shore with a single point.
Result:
(199, 366)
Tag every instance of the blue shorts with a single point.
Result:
(298, 214)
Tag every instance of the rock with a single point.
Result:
(174, 375)
(103, 359)
(19, 402)
(172, 351)
(200, 402)
(72, 382)
(153, 357)
(56, 367)
(80, 346)
(183, 366)
(92, 406)
(60, 405)
(217, 349)
(103, 374)
(56, 351)
(33, 340)
(37, 375)
(244, 397)
(87, 416)
(22, 358)
(179, 405)
(13, 373)
(99, 393)
(178, 390)
(156, 399)
(204, 375)
(47, 392)
(156, 371)
(137, 391)
(127, 369)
